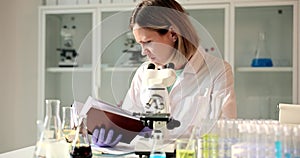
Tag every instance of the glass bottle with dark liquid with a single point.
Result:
(81, 147)
(81, 152)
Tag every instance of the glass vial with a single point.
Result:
(185, 148)
(52, 143)
(262, 56)
(81, 147)
(157, 146)
(296, 142)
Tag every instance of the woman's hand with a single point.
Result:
(101, 139)
(146, 132)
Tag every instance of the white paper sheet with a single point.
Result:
(119, 149)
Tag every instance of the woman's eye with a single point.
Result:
(145, 43)
(148, 41)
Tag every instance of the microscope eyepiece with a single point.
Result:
(170, 66)
(151, 66)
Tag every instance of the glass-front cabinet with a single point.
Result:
(265, 57)
(66, 55)
(121, 56)
(89, 50)
(211, 23)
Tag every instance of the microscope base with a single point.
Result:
(144, 147)
(67, 64)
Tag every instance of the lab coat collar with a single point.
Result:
(192, 67)
(195, 63)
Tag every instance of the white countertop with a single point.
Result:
(26, 152)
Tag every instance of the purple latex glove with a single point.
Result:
(146, 132)
(98, 138)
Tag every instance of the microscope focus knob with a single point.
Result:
(173, 124)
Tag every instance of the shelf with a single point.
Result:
(69, 69)
(264, 69)
(120, 69)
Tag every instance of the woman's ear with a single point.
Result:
(174, 37)
(173, 34)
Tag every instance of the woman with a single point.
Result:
(204, 87)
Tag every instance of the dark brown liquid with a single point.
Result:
(81, 152)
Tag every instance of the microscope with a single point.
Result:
(67, 53)
(157, 115)
(133, 50)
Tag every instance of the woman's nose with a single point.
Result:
(145, 52)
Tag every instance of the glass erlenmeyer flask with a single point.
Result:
(52, 143)
(81, 147)
(262, 56)
(68, 124)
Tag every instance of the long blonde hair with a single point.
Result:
(160, 15)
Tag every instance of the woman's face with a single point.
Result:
(158, 48)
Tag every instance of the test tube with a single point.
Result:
(296, 142)
(287, 140)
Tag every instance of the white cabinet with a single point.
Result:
(102, 31)
(212, 24)
(116, 74)
(63, 33)
(260, 89)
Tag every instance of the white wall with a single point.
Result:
(18, 73)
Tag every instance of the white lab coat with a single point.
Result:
(195, 94)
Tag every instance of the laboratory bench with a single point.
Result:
(27, 152)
